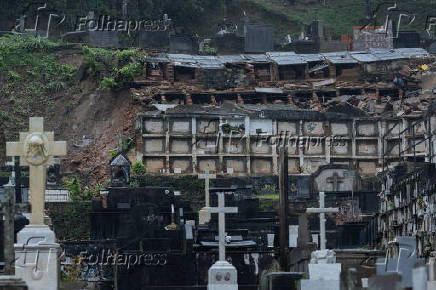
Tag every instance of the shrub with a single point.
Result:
(138, 168)
(126, 55)
(107, 84)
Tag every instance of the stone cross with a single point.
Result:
(207, 177)
(335, 179)
(36, 149)
(221, 210)
(204, 216)
(8, 209)
(322, 211)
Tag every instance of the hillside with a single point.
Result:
(42, 78)
(339, 16)
(203, 17)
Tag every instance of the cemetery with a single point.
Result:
(219, 145)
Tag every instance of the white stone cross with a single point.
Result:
(207, 177)
(36, 149)
(322, 211)
(221, 210)
(203, 216)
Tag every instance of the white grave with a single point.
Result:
(293, 236)
(222, 275)
(324, 272)
(203, 215)
(36, 250)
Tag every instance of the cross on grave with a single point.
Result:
(8, 209)
(203, 215)
(335, 179)
(36, 149)
(222, 274)
(15, 179)
(221, 210)
(322, 211)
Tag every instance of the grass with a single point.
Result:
(268, 196)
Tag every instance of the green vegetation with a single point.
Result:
(77, 193)
(107, 84)
(138, 168)
(29, 66)
(191, 187)
(268, 196)
(339, 16)
(71, 220)
(115, 69)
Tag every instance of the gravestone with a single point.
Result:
(281, 281)
(365, 38)
(104, 38)
(12, 283)
(154, 39)
(293, 236)
(36, 250)
(408, 39)
(403, 265)
(419, 277)
(385, 282)
(324, 272)
(229, 43)
(183, 44)
(259, 38)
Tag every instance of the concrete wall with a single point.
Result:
(190, 145)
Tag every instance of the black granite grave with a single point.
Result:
(407, 39)
(154, 39)
(183, 44)
(259, 38)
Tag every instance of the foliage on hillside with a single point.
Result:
(114, 69)
(203, 17)
(30, 78)
(339, 16)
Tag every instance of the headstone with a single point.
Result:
(315, 239)
(419, 277)
(222, 275)
(368, 37)
(229, 43)
(409, 39)
(281, 281)
(324, 272)
(293, 236)
(270, 238)
(386, 282)
(259, 38)
(12, 283)
(431, 271)
(36, 250)
(154, 39)
(104, 38)
(183, 44)
(403, 265)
